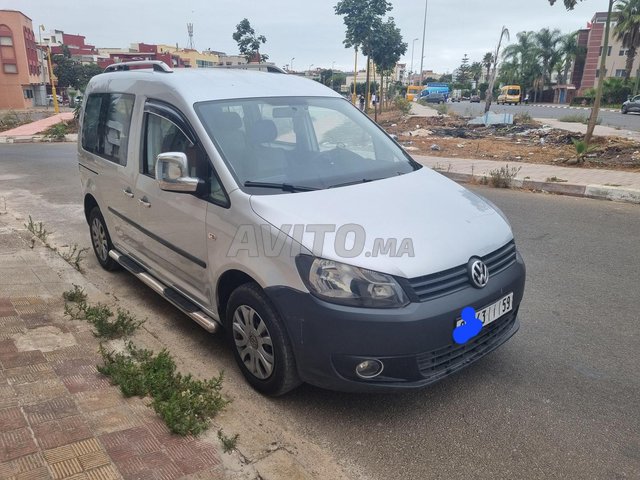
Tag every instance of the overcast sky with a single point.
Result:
(305, 29)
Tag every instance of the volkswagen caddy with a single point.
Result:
(267, 206)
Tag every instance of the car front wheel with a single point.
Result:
(624, 110)
(260, 343)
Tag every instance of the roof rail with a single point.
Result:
(156, 65)
(254, 66)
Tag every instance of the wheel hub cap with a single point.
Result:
(253, 342)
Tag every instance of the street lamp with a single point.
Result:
(291, 63)
(413, 46)
(310, 68)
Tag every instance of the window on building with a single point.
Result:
(10, 68)
(606, 70)
(622, 52)
(621, 73)
(6, 41)
(608, 51)
(229, 63)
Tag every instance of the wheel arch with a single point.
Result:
(89, 203)
(227, 283)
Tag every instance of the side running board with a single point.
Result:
(168, 293)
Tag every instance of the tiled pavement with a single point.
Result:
(60, 418)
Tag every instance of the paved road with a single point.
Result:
(559, 400)
(612, 119)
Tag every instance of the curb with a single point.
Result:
(69, 138)
(572, 107)
(598, 192)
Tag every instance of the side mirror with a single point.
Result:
(172, 173)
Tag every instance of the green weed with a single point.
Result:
(38, 230)
(184, 403)
(228, 443)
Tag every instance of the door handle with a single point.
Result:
(127, 192)
(144, 203)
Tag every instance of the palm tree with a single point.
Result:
(487, 60)
(524, 54)
(546, 41)
(627, 30)
(475, 70)
(569, 51)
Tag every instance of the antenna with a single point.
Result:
(190, 31)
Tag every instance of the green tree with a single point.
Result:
(248, 42)
(522, 60)
(475, 71)
(570, 4)
(570, 52)
(487, 60)
(546, 42)
(627, 30)
(463, 71)
(66, 70)
(361, 17)
(387, 48)
(86, 73)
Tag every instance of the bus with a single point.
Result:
(509, 94)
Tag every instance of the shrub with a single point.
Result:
(503, 176)
(522, 118)
(57, 132)
(402, 104)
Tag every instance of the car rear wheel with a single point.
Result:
(101, 241)
(260, 343)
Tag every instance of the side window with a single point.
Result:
(106, 124)
(162, 136)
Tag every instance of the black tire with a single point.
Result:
(624, 110)
(283, 376)
(101, 241)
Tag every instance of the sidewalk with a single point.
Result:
(579, 182)
(60, 418)
(29, 132)
(600, 130)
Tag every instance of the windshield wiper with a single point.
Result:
(285, 187)
(356, 182)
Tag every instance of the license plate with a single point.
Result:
(492, 312)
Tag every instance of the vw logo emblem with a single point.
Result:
(478, 273)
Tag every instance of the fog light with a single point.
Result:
(369, 368)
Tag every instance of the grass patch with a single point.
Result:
(229, 444)
(184, 403)
(106, 325)
(577, 118)
(556, 179)
(76, 295)
(38, 230)
(502, 177)
(74, 255)
(442, 109)
(57, 132)
(402, 104)
(522, 117)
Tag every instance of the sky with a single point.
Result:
(306, 30)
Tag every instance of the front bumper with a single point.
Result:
(414, 343)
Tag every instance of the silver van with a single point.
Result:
(268, 206)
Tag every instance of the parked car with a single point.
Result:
(475, 99)
(78, 100)
(631, 105)
(242, 206)
(434, 98)
(50, 98)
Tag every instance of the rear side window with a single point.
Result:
(106, 123)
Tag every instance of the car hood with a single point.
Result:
(443, 223)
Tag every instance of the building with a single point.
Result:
(79, 50)
(400, 73)
(192, 58)
(138, 52)
(616, 55)
(23, 77)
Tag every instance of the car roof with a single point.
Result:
(205, 84)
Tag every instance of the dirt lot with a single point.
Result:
(451, 136)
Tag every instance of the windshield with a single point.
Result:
(513, 91)
(303, 143)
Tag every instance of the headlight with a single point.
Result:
(337, 282)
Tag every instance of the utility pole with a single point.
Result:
(291, 63)
(424, 34)
(355, 79)
(332, 64)
(56, 107)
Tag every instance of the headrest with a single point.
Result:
(227, 121)
(263, 131)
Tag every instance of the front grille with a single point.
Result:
(443, 361)
(449, 281)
